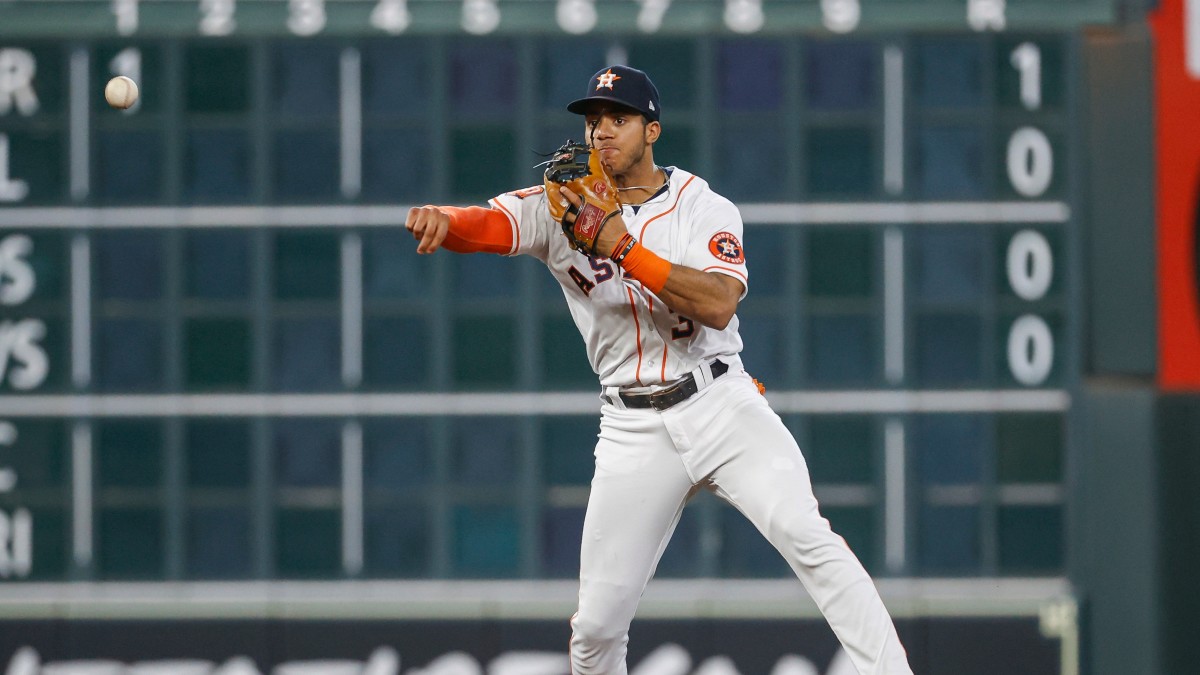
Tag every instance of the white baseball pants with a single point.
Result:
(647, 464)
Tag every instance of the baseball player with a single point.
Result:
(652, 266)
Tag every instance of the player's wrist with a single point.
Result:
(621, 249)
(643, 264)
(611, 231)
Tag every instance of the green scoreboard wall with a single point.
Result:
(220, 356)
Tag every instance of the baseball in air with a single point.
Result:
(121, 92)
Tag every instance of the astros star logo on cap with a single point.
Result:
(607, 79)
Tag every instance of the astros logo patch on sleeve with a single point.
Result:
(726, 247)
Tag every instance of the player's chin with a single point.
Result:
(609, 160)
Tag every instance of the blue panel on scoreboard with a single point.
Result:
(220, 276)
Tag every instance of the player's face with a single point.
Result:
(621, 136)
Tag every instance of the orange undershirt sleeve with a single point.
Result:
(475, 229)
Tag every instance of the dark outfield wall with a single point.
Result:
(1179, 515)
(992, 646)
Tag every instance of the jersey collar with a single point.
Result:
(665, 189)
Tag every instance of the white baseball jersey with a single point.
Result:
(633, 339)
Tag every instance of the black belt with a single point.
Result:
(683, 389)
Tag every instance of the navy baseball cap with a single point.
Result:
(627, 86)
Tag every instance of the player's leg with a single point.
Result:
(756, 465)
(637, 495)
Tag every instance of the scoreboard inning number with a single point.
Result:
(480, 17)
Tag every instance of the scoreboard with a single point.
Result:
(220, 356)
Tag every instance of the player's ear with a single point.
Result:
(653, 131)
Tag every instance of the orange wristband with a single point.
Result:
(647, 267)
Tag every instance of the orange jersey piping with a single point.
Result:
(638, 327)
(677, 198)
(725, 269)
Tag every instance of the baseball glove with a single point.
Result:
(578, 168)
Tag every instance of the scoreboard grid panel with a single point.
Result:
(429, 531)
(171, 429)
(269, 166)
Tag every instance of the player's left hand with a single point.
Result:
(583, 220)
(609, 234)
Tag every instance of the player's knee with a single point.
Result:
(595, 633)
(811, 537)
(596, 648)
